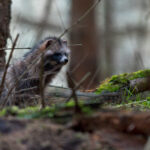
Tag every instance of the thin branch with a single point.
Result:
(28, 48)
(59, 14)
(93, 77)
(19, 48)
(78, 85)
(81, 18)
(44, 20)
(74, 96)
(79, 63)
(26, 89)
(42, 81)
(7, 65)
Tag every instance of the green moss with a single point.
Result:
(139, 74)
(29, 112)
(107, 87)
(47, 112)
(3, 112)
(71, 103)
(117, 82)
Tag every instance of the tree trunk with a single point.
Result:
(84, 58)
(5, 11)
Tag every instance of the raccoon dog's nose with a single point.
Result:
(64, 59)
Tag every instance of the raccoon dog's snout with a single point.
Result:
(59, 58)
(53, 60)
(64, 59)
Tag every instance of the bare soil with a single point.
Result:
(105, 130)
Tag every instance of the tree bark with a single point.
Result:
(84, 58)
(5, 11)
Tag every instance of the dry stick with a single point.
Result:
(81, 18)
(27, 48)
(78, 85)
(77, 108)
(7, 65)
(19, 48)
(79, 64)
(60, 15)
(26, 90)
(93, 77)
(42, 81)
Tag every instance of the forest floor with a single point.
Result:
(100, 130)
(122, 123)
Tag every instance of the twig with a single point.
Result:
(78, 85)
(18, 48)
(77, 107)
(26, 89)
(93, 77)
(7, 65)
(60, 15)
(81, 18)
(44, 20)
(41, 81)
(28, 48)
(79, 63)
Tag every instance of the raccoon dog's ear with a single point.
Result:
(45, 45)
(48, 43)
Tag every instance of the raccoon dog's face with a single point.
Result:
(55, 54)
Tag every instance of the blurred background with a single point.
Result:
(112, 39)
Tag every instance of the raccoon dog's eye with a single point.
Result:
(56, 56)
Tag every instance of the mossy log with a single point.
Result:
(135, 82)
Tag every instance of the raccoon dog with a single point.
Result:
(23, 77)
